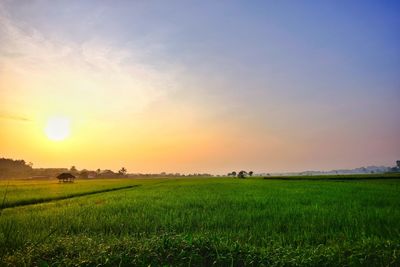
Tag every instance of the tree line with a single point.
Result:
(241, 174)
(15, 168)
(10, 169)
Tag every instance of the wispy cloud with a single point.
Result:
(95, 74)
(6, 116)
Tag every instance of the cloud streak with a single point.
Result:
(6, 116)
(94, 73)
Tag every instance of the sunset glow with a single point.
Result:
(57, 128)
(199, 133)
(163, 87)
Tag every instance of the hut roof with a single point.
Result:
(65, 175)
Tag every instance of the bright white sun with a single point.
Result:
(57, 128)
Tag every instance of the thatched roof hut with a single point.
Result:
(66, 177)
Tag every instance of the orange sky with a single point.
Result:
(190, 94)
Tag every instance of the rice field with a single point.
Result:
(201, 222)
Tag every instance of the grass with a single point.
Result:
(206, 221)
(23, 192)
(345, 177)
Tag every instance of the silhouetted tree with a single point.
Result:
(98, 171)
(73, 169)
(122, 171)
(108, 173)
(14, 168)
(242, 174)
(251, 173)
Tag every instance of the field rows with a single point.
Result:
(226, 221)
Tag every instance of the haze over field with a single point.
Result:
(200, 86)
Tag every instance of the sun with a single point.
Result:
(57, 128)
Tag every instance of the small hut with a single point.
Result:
(66, 177)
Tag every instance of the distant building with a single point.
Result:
(92, 174)
(66, 177)
(108, 174)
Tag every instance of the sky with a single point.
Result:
(201, 86)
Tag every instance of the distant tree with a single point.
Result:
(232, 174)
(251, 173)
(122, 171)
(398, 164)
(84, 174)
(14, 168)
(98, 171)
(108, 173)
(242, 174)
(73, 169)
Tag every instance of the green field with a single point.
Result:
(202, 221)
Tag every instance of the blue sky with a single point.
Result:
(311, 82)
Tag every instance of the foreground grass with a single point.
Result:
(187, 250)
(23, 192)
(212, 221)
